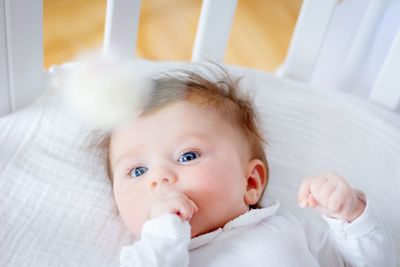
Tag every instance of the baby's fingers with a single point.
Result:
(310, 185)
(174, 202)
(336, 200)
(304, 192)
(325, 192)
(186, 208)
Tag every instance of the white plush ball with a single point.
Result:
(107, 91)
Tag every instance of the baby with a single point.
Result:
(188, 175)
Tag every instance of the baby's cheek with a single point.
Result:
(132, 208)
(212, 185)
(133, 217)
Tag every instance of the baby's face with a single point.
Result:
(200, 155)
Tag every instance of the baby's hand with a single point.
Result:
(169, 200)
(332, 196)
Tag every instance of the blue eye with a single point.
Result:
(188, 156)
(138, 171)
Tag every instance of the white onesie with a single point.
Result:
(260, 237)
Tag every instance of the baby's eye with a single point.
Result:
(188, 156)
(138, 171)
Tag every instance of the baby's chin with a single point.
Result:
(134, 229)
(134, 232)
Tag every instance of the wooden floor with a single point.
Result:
(259, 39)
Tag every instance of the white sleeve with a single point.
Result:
(164, 242)
(362, 242)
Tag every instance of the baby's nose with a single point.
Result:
(162, 180)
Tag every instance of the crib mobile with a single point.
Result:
(332, 105)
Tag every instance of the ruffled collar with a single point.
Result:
(247, 219)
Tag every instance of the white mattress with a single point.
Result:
(56, 205)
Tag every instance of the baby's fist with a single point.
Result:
(168, 200)
(332, 196)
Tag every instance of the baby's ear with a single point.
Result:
(256, 180)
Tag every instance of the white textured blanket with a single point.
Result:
(56, 205)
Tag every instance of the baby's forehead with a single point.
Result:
(173, 119)
(180, 121)
(181, 115)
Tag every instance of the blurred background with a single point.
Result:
(259, 39)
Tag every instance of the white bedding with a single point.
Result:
(56, 205)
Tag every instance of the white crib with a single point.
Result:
(332, 105)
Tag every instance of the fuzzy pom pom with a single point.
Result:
(107, 91)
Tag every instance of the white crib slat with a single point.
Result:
(121, 27)
(24, 51)
(386, 90)
(5, 100)
(307, 39)
(213, 30)
(360, 47)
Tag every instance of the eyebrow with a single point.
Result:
(126, 155)
(181, 138)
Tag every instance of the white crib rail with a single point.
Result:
(121, 27)
(21, 56)
(21, 53)
(213, 30)
(386, 90)
(307, 39)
